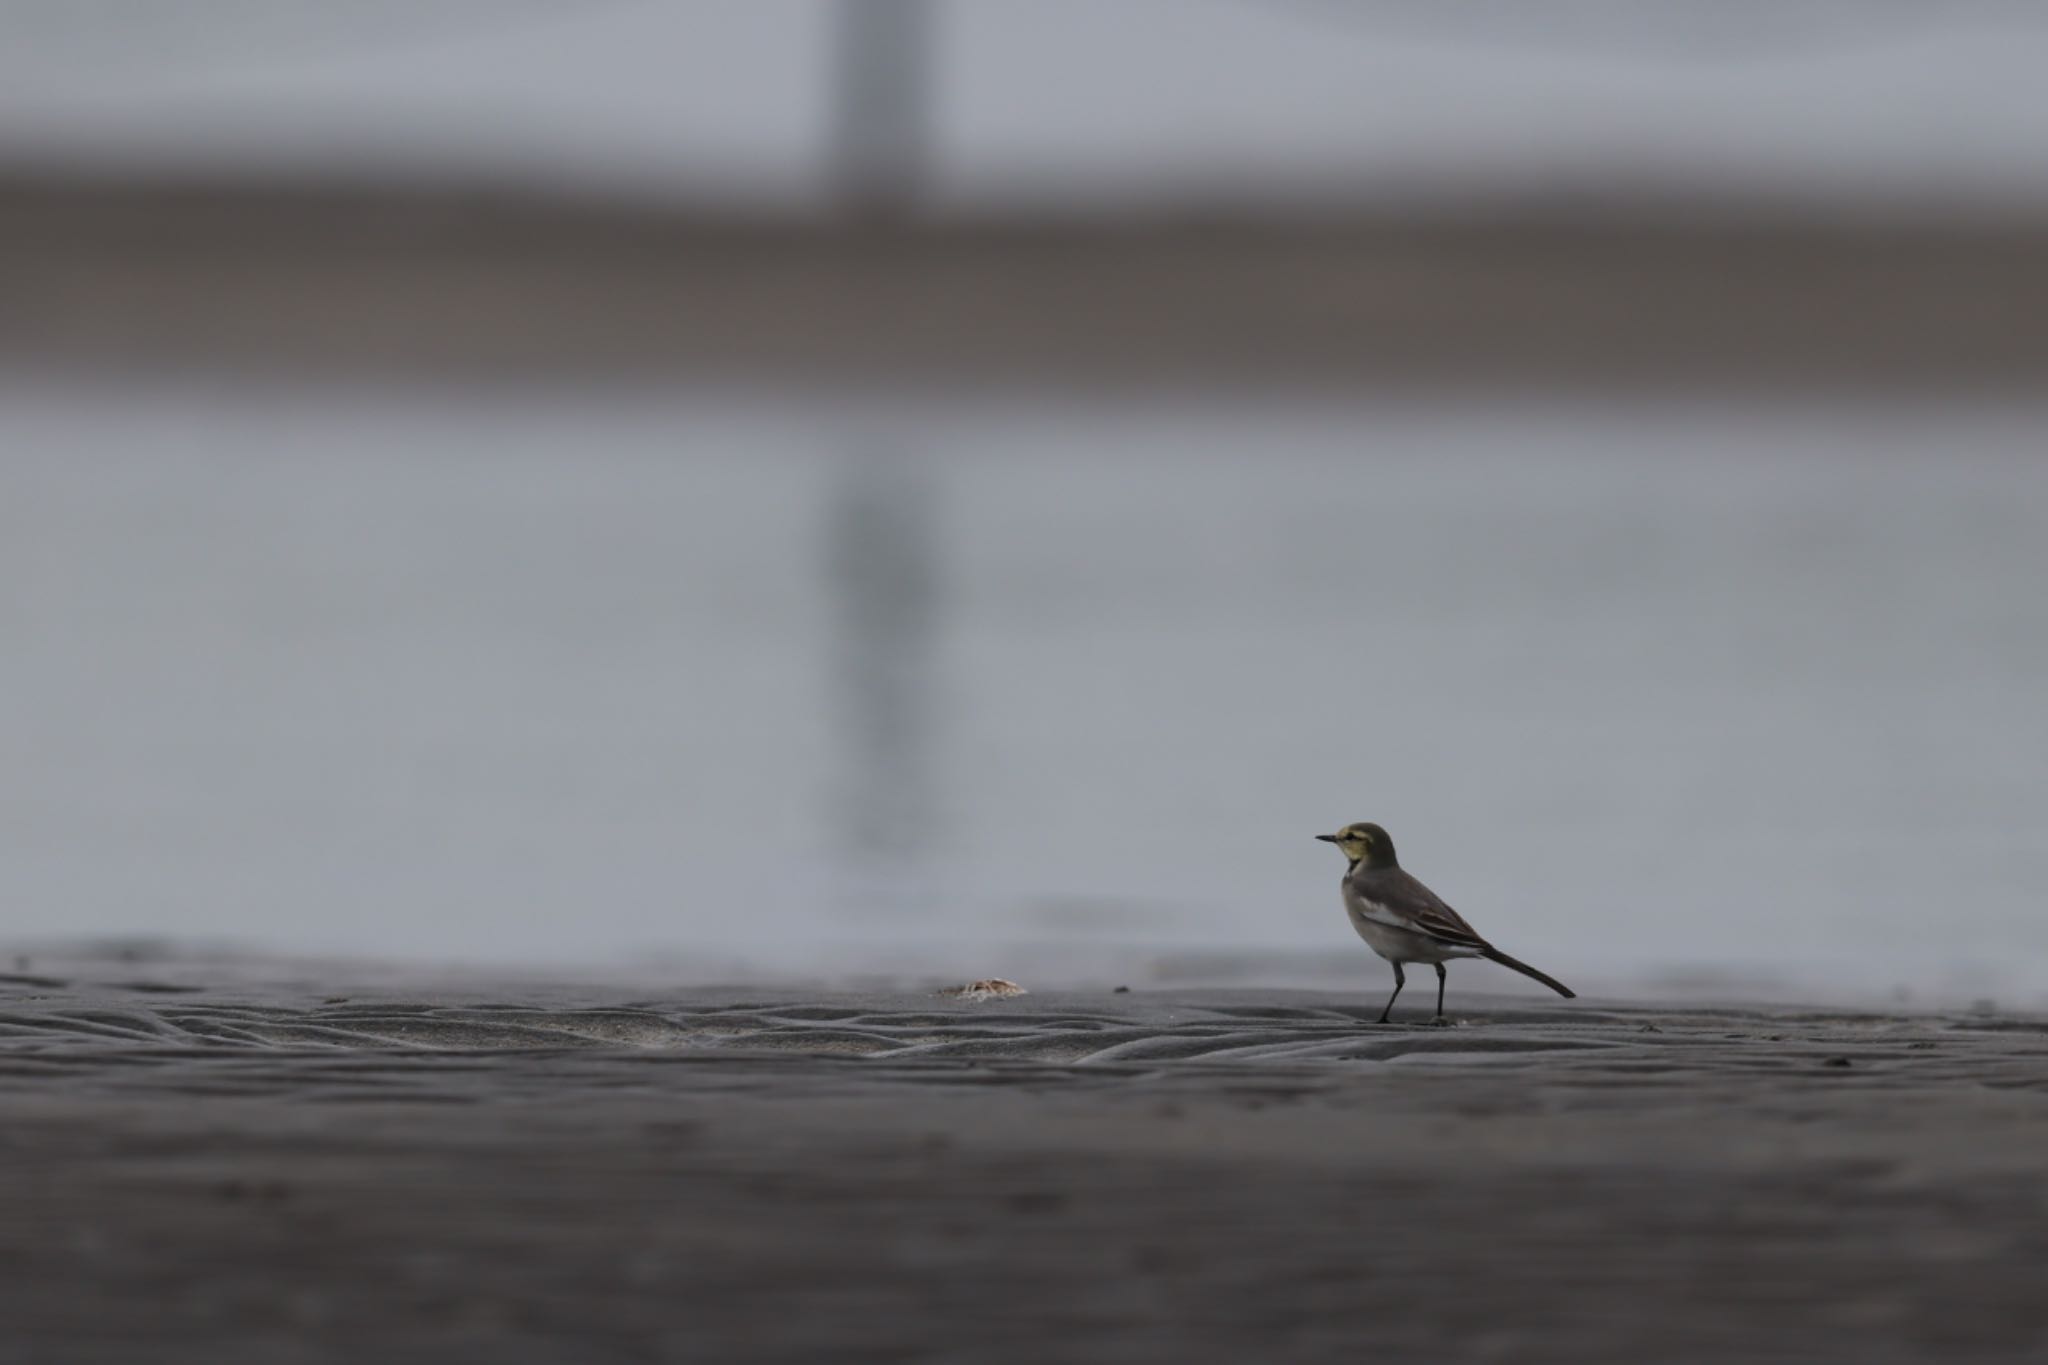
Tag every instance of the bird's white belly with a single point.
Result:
(1398, 945)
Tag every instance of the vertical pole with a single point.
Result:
(881, 98)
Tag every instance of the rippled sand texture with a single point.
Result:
(272, 1170)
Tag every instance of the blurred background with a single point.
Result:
(919, 485)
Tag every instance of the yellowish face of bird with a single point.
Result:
(1355, 842)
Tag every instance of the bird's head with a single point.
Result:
(1365, 843)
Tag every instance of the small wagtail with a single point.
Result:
(1404, 921)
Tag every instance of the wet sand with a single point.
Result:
(208, 1162)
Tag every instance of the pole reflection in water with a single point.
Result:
(883, 568)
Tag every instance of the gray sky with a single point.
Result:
(1128, 102)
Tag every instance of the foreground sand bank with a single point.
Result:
(250, 1171)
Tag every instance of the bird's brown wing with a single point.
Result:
(1408, 904)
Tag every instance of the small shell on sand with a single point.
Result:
(994, 988)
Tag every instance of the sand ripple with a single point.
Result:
(144, 1035)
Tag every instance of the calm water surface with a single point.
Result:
(1651, 694)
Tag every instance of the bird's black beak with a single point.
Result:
(1327, 838)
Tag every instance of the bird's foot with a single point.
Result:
(1440, 1022)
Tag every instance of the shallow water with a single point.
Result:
(1650, 694)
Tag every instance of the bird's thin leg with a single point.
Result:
(1400, 980)
(1440, 975)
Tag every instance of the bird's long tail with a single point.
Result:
(1496, 955)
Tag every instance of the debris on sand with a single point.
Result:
(993, 988)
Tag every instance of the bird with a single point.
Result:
(1404, 921)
